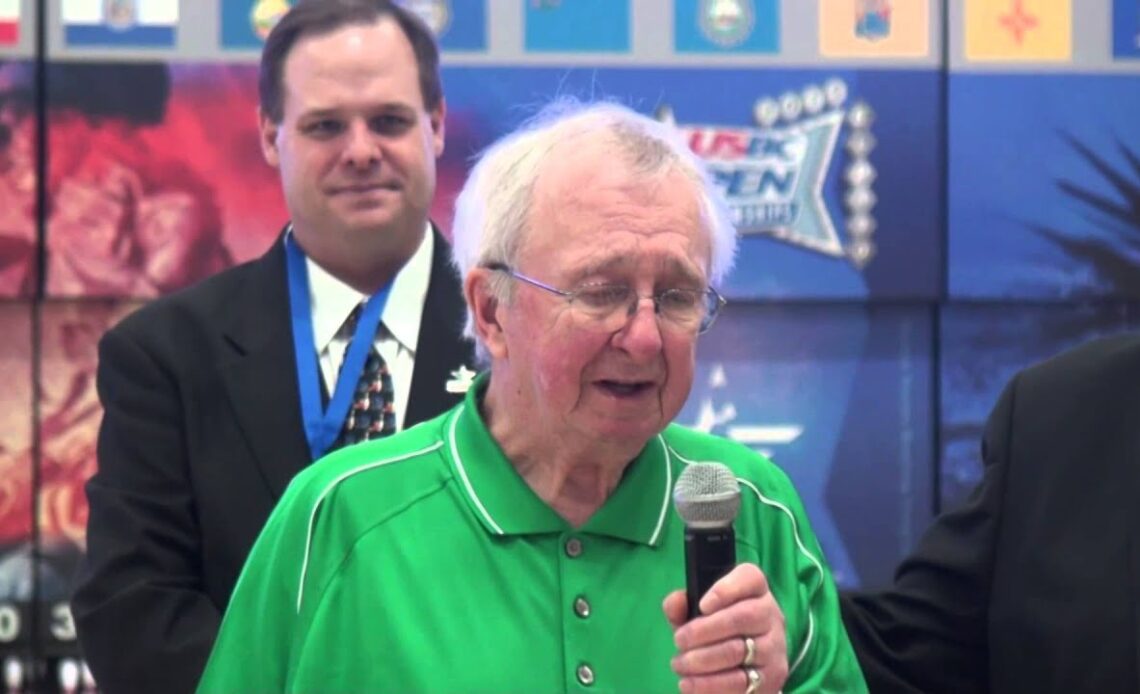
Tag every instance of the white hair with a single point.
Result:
(492, 209)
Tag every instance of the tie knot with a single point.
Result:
(348, 328)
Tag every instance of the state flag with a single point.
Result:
(120, 23)
(874, 28)
(246, 23)
(726, 26)
(584, 26)
(458, 25)
(1126, 28)
(1019, 30)
(9, 22)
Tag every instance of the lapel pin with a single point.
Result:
(461, 380)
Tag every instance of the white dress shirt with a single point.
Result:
(332, 301)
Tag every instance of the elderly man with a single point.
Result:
(524, 540)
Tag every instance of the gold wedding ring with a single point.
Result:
(749, 652)
(755, 679)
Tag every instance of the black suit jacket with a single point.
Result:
(1034, 584)
(201, 434)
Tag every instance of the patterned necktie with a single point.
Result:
(372, 413)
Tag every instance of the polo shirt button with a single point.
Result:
(585, 674)
(581, 607)
(573, 548)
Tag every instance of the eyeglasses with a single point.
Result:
(609, 306)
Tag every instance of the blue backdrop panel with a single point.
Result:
(839, 397)
(982, 348)
(905, 110)
(1044, 186)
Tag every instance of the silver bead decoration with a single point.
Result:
(836, 92)
(860, 199)
(860, 253)
(861, 225)
(861, 116)
(791, 106)
(860, 176)
(860, 143)
(814, 100)
(860, 173)
(766, 112)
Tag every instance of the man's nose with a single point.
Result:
(641, 335)
(361, 150)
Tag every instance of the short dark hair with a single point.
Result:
(314, 17)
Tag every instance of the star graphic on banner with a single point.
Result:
(1018, 21)
(761, 437)
(717, 414)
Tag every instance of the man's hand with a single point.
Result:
(738, 644)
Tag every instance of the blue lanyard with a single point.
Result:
(322, 428)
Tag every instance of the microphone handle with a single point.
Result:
(710, 553)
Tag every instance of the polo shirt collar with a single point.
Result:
(504, 504)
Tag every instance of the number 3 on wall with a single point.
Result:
(62, 626)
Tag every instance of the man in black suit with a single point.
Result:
(1034, 584)
(215, 397)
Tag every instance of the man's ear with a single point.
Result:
(485, 311)
(437, 117)
(268, 131)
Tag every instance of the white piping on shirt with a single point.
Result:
(463, 472)
(668, 491)
(328, 489)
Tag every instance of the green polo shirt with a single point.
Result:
(423, 563)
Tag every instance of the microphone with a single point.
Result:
(707, 498)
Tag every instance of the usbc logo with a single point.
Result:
(773, 175)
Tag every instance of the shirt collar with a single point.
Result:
(505, 505)
(332, 300)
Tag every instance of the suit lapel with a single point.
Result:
(261, 377)
(440, 346)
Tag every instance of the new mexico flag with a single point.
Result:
(1019, 30)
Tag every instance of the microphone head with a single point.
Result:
(707, 495)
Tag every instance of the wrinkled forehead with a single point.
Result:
(596, 175)
(593, 212)
(601, 261)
